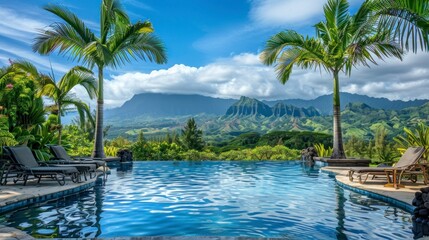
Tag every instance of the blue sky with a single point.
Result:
(212, 47)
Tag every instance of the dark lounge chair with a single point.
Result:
(407, 164)
(61, 156)
(25, 162)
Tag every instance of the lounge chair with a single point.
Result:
(61, 156)
(406, 165)
(24, 161)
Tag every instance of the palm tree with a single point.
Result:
(342, 41)
(60, 92)
(119, 42)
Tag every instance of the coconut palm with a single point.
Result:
(61, 92)
(342, 41)
(119, 42)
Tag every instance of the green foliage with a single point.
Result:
(111, 150)
(245, 140)
(261, 153)
(322, 151)
(6, 137)
(196, 155)
(192, 137)
(418, 137)
(295, 140)
(119, 142)
(19, 102)
(384, 151)
(357, 147)
(78, 141)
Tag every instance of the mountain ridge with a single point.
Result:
(171, 105)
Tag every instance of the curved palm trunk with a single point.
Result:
(98, 141)
(338, 149)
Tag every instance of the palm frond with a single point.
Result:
(78, 76)
(408, 19)
(289, 48)
(70, 36)
(81, 107)
(135, 43)
(112, 16)
(336, 13)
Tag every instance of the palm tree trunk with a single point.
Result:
(60, 127)
(338, 149)
(98, 142)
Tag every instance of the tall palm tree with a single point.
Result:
(342, 41)
(119, 42)
(61, 92)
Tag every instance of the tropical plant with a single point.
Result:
(6, 137)
(342, 41)
(79, 142)
(119, 42)
(192, 137)
(111, 150)
(418, 137)
(322, 151)
(384, 151)
(61, 92)
(18, 101)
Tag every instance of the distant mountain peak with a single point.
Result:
(252, 107)
(249, 106)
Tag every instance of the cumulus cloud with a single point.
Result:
(280, 12)
(393, 79)
(244, 75)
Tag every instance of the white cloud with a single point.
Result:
(17, 26)
(244, 75)
(281, 13)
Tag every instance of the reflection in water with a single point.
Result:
(339, 210)
(256, 199)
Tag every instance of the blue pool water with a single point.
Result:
(255, 199)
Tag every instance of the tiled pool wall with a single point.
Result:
(395, 202)
(44, 198)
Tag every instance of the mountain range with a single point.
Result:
(173, 105)
(223, 119)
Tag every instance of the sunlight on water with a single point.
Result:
(255, 199)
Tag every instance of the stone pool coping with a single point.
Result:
(401, 197)
(16, 196)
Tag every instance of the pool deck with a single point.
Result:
(16, 196)
(404, 195)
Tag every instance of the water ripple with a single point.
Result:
(254, 199)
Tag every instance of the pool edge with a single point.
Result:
(14, 205)
(388, 199)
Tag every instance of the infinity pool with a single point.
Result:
(254, 199)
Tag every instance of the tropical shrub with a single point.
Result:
(322, 151)
(418, 137)
(385, 152)
(196, 155)
(111, 151)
